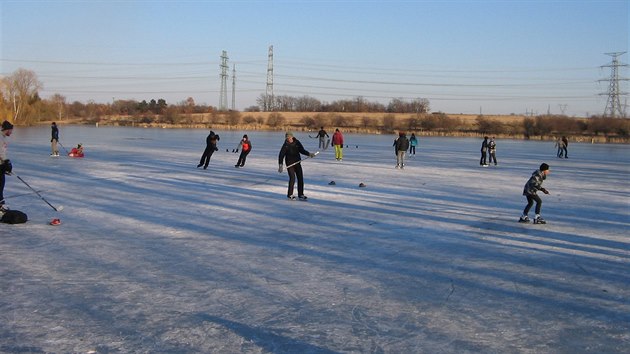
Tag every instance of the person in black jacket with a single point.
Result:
(54, 139)
(290, 153)
(211, 147)
(400, 146)
(533, 185)
(484, 151)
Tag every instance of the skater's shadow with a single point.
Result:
(265, 339)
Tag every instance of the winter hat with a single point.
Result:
(6, 125)
(288, 134)
(544, 167)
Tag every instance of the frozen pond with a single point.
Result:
(156, 256)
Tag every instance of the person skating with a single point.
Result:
(322, 135)
(560, 147)
(492, 151)
(484, 150)
(245, 146)
(290, 154)
(54, 140)
(565, 146)
(211, 147)
(5, 164)
(413, 142)
(401, 144)
(533, 185)
(337, 141)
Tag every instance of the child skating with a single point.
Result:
(533, 185)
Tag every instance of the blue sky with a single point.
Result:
(494, 57)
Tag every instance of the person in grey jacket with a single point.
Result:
(533, 185)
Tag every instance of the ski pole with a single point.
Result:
(64, 148)
(59, 208)
(308, 157)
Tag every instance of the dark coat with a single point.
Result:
(534, 184)
(290, 152)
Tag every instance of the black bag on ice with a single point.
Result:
(14, 217)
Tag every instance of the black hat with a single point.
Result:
(6, 125)
(544, 167)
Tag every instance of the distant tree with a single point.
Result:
(309, 122)
(389, 121)
(368, 122)
(249, 119)
(21, 90)
(59, 102)
(252, 109)
(234, 117)
(143, 106)
(275, 120)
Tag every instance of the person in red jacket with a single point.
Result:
(337, 141)
(246, 146)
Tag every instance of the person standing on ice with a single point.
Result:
(484, 150)
(337, 141)
(5, 163)
(290, 154)
(533, 185)
(322, 135)
(54, 139)
(211, 147)
(413, 142)
(492, 150)
(401, 145)
(565, 146)
(246, 146)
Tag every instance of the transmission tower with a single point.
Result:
(224, 76)
(234, 87)
(613, 104)
(269, 91)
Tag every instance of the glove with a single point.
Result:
(280, 168)
(544, 190)
(8, 167)
(311, 155)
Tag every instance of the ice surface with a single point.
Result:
(156, 256)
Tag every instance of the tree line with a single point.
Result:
(20, 102)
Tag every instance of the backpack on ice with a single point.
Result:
(14, 217)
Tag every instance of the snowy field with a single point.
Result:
(156, 256)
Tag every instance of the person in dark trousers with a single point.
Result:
(565, 145)
(211, 147)
(401, 145)
(322, 135)
(492, 151)
(484, 151)
(5, 164)
(413, 142)
(533, 185)
(54, 139)
(246, 146)
(290, 154)
(560, 147)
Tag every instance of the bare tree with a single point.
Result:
(22, 88)
(60, 104)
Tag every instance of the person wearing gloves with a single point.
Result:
(246, 146)
(290, 153)
(337, 141)
(533, 185)
(5, 163)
